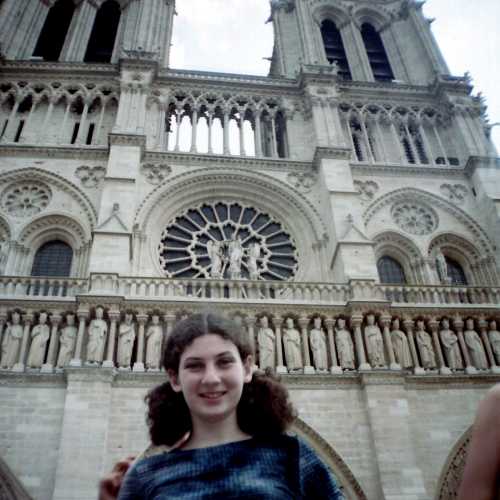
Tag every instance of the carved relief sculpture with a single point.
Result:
(67, 342)
(154, 335)
(12, 341)
(126, 337)
(442, 268)
(253, 256)
(266, 341)
(494, 336)
(424, 342)
(235, 256)
(293, 349)
(318, 346)
(98, 330)
(374, 343)
(475, 346)
(401, 346)
(214, 253)
(345, 347)
(450, 346)
(40, 334)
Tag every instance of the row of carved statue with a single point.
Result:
(319, 344)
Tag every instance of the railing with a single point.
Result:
(41, 287)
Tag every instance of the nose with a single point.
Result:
(211, 375)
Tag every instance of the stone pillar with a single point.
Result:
(242, 132)
(113, 316)
(408, 325)
(458, 324)
(385, 321)
(19, 366)
(303, 323)
(250, 324)
(225, 131)
(434, 325)
(334, 367)
(280, 367)
(142, 319)
(194, 130)
(483, 327)
(82, 318)
(48, 367)
(257, 134)
(8, 135)
(81, 136)
(356, 321)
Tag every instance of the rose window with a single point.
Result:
(26, 199)
(414, 218)
(227, 240)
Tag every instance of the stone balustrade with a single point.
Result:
(41, 287)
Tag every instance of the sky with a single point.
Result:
(231, 36)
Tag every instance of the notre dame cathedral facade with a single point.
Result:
(350, 201)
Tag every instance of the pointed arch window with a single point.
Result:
(103, 36)
(53, 258)
(455, 272)
(390, 271)
(334, 48)
(54, 31)
(377, 55)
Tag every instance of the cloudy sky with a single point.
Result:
(231, 36)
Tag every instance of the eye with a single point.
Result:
(193, 366)
(226, 361)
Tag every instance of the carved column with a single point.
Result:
(408, 325)
(226, 132)
(44, 132)
(48, 366)
(257, 134)
(459, 327)
(434, 325)
(113, 316)
(77, 359)
(8, 135)
(250, 323)
(139, 362)
(29, 119)
(80, 138)
(97, 135)
(334, 368)
(385, 321)
(303, 323)
(61, 134)
(356, 321)
(19, 366)
(178, 120)
(280, 368)
(242, 132)
(194, 130)
(210, 114)
(483, 327)
(274, 149)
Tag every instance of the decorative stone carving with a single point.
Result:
(293, 347)
(442, 268)
(253, 252)
(154, 335)
(235, 249)
(3, 256)
(475, 346)
(67, 342)
(11, 341)
(26, 199)
(454, 192)
(424, 342)
(214, 251)
(40, 334)
(317, 341)
(267, 345)
(450, 346)
(366, 189)
(401, 346)
(374, 343)
(303, 181)
(288, 5)
(90, 177)
(414, 218)
(126, 337)
(155, 173)
(345, 347)
(494, 337)
(98, 330)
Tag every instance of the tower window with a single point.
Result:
(377, 56)
(102, 38)
(53, 259)
(54, 31)
(390, 271)
(334, 48)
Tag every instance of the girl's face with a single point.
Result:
(211, 377)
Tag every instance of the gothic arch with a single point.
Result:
(10, 487)
(451, 475)
(332, 13)
(376, 17)
(352, 489)
(5, 231)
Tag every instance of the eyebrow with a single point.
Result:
(220, 355)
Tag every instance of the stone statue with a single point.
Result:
(12, 338)
(126, 337)
(214, 253)
(40, 334)
(475, 346)
(67, 342)
(267, 342)
(494, 336)
(424, 342)
(253, 255)
(374, 342)
(400, 345)
(318, 346)
(345, 348)
(451, 347)
(98, 330)
(293, 349)
(235, 256)
(154, 335)
(442, 267)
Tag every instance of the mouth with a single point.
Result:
(212, 395)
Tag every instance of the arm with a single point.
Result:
(482, 469)
(110, 485)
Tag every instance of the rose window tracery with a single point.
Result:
(26, 199)
(227, 240)
(414, 218)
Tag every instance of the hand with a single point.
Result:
(109, 486)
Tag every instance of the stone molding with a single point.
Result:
(65, 152)
(369, 169)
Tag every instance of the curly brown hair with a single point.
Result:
(264, 408)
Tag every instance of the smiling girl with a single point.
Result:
(219, 429)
